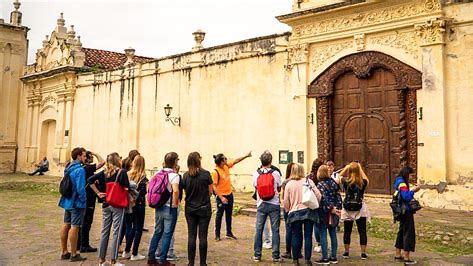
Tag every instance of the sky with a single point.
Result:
(153, 28)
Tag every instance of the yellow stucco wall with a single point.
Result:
(13, 52)
(459, 94)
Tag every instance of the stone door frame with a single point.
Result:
(408, 80)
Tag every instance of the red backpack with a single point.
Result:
(265, 185)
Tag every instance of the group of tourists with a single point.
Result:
(312, 205)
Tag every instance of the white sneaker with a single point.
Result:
(126, 255)
(137, 257)
(318, 249)
(267, 245)
(117, 263)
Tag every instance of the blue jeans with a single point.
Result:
(274, 213)
(296, 227)
(317, 233)
(134, 231)
(165, 218)
(288, 234)
(323, 227)
(228, 209)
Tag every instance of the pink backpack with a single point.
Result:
(158, 193)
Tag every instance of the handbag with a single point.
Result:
(414, 205)
(117, 196)
(308, 197)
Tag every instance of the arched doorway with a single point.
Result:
(48, 139)
(366, 112)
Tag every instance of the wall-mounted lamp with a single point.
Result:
(311, 118)
(176, 121)
(420, 113)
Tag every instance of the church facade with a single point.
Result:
(385, 83)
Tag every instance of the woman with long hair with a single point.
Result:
(197, 184)
(288, 234)
(406, 235)
(110, 215)
(300, 218)
(354, 182)
(134, 231)
(329, 213)
(313, 176)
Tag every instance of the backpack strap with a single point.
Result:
(218, 174)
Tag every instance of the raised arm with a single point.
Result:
(100, 160)
(344, 173)
(242, 158)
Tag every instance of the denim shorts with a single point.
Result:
(74, 217)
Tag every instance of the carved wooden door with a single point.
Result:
(365, 115)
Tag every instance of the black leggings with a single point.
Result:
(406, 236)
(348, 226)
(198, 220)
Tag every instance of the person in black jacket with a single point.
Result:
(134, 231)
(90, 168)
(197, 184)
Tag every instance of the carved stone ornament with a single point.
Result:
(48, 101)
(320, 54)
(359, 41)
(406, 41)
(408, 80)
(298, 54)
(432, 32)
(366, 18)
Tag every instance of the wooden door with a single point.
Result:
(365, 116)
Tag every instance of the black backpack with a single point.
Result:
(65, 187)
(353, 198)
(399, 209)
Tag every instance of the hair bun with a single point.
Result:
(215, 156)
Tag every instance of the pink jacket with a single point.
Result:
(293, 195)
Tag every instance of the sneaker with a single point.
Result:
(277, 260)
(217, 238)
(152, 262)
(87, 249)
(323, 262)
(287, 255)
(410, 262)
(333, 260)
(126, 255)
(117, 263)
(172, 257)
(346, 255)
(364, 256)
(399, 259)
(231, 236)
(318, 249)
(308, 262)
(77, 257)
(137, 257)
(66, 256)
(267, 245)
(256, 259)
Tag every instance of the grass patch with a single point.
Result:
(30, 187)
(387, 230)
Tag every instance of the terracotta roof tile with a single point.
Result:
(108, 59)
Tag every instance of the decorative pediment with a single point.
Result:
(63, 48)
(49, 101)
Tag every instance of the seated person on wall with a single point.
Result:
(43, 166)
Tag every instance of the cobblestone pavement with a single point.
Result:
(30, 222)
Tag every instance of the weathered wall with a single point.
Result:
(459, 94)
(240, 100)
(13, 52)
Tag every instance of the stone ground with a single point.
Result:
(31, 221)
